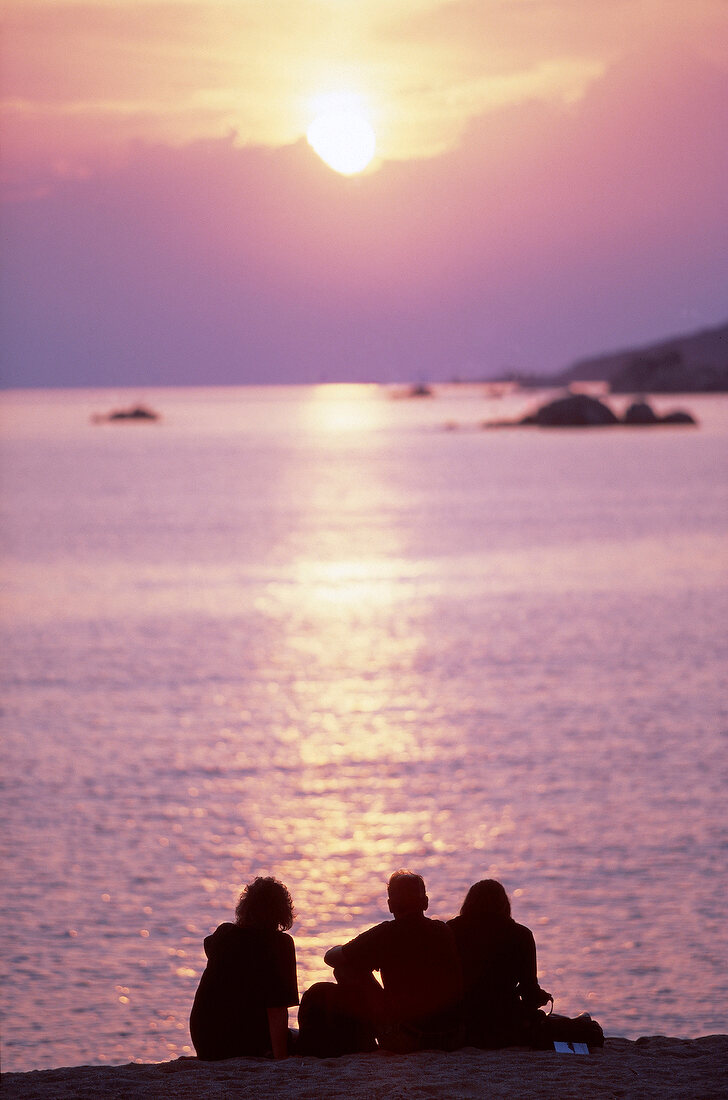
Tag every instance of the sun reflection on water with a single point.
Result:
(341, 407)
(346, 648)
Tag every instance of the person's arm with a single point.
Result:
(334, 956)
(530, 991)
(362, 952)
(278, 1028)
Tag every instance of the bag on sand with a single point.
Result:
(547, 1030)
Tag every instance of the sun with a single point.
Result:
(344, 139)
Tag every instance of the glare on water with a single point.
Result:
(308, 632)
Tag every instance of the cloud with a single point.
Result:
(546, 234)
(82, 80)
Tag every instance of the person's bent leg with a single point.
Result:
(335, 1019)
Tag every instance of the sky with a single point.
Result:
(549, 183)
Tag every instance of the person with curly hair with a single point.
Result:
(249, 983)
(498, 958)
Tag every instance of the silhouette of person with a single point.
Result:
(498, 958)
(415, 1006)
(249, 983)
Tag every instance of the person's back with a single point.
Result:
(241, 1004)
(498, 958)
(420, 971)
(248, 970)
(417, 960)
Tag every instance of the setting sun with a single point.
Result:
(344, 140)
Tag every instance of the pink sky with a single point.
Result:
(550, 183)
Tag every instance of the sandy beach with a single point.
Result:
(654, 1066)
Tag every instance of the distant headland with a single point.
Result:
(692, 363)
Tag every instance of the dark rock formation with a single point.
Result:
(679, 416)
(136, 412)
(576, 410)
(579, 410)
(640, 413)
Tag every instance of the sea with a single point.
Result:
(325, 632)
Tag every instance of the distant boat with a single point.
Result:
(417, 389)
(135, 412)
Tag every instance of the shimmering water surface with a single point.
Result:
(309, 632)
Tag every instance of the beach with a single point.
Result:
(654, 1066)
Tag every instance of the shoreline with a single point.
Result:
(652, 1066)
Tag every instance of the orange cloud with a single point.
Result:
(81, 80)
(597, 228)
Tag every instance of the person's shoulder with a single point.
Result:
(521, 931)
(382, 925)
(381, 929)
(423, 928)
(375, 932)
(283, 938)
(371, 940)
(445, 931)
(460, 930)
(441, 925)
(520, 927)
(223, 935)
(225, 930)
(262, 937)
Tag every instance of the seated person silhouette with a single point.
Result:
(413, 1009)
(498, 957)
(249, 983)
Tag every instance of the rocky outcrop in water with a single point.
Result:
(580, 410)
(136, 412)
(639, 412)
(576, 410)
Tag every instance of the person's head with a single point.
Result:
(486, 900)
(265, 903)
(406, 894)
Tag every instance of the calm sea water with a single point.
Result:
(308, 632)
